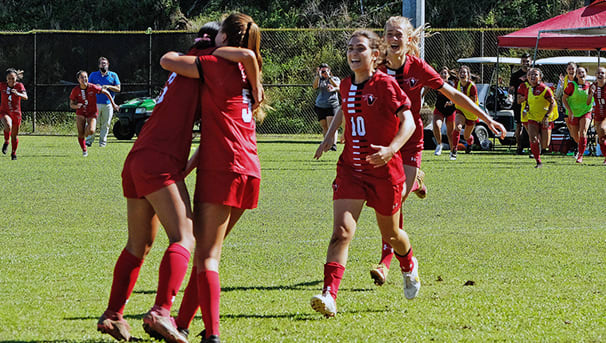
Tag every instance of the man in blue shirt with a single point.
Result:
(110, 81)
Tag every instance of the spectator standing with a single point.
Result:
(327, 102)
(108, 80)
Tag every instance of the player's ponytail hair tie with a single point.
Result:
(19, 73)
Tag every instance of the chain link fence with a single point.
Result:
(51, 59)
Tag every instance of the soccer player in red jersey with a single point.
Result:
(378, 122)
(12, 91)
(413, 74)
(83, 99)
(578, 104)
(598, 92)
(541, 103)
(229, 171)
(444, 111)
(153, 183)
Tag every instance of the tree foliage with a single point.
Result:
(22, 15)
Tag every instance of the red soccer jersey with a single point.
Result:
(599, 107)
(228, 141)
(88, 97)
(369, 111)
(412, 77)
(169, 129)
(10, 103)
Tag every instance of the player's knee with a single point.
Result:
(341, 234)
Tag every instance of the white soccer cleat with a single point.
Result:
(379, 274)
(84, 153)
(412, 283)
(325, 304)
(438, 151)
(453, 156)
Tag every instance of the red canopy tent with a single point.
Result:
(582, 29)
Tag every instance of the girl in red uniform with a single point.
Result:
(578, 104)
(444, 111)
(412, 74)
(597, 91)
(10, 108)
(153, 183)
(83, 99)
(378, 122)
(229, 171)
(540, 101)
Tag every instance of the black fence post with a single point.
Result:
(35, 83)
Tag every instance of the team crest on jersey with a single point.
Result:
(412, 82)
(369, 98)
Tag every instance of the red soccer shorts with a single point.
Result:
(471, 122)
(382, 195)
(598, 118)
(227, 188)
(437, 115)
(412, 151)
(575, 120)
(15, 118)
(145, 172)
(87, 115)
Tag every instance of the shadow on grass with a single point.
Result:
(297, 286)
(298, 316)
(62, 341)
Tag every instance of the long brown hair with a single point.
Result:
(374, 43)
(242, 31)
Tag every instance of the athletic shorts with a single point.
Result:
(598, 118)
(469, 118)
(539, 124)
(145, 172)
(227, 188)
(326, 112)
(437, 115)
(575, 120)
(411, 155)
(15, 118)
(380, 194)
(94, 115)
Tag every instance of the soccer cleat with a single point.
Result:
(160, 327)
(118, 327)
(580, 159)
(468, 148)
(379, 274)
(539, 165)
(421, 192)
(184, 332)
(325, 304)
(412, 283)
(13, 156)
(4, 147)
(84, 153)
(453, 155)
(333, 147)
(438, 151)
(605, 162)
(210, 339)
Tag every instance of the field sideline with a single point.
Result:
(532, 241)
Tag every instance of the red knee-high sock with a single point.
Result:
(470, 140)
(190, 303)
(82, 143)
(7, 135)
(386, 254)
(172, 271)
(582, 145)
(14, 144)
(333, 274)
(406, 262)
(536, 151)
(456, 136)
(126, 273)
(209, 294)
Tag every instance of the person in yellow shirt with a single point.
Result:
(541, 103)
(464, 117)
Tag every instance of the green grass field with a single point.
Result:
(533, 241)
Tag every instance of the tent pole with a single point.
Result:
(599, 58)
(536, 47)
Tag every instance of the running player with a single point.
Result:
(153, 183)
(10, 108)
(83, 99)
(413, 74)
(444, 111)
(464, 117)
(598, 92)
(378, 122)
(229, 171)
(578, 104)
(541, 103)
(564, 81)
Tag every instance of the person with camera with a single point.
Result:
(327, 102)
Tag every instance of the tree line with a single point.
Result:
(24, 15)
